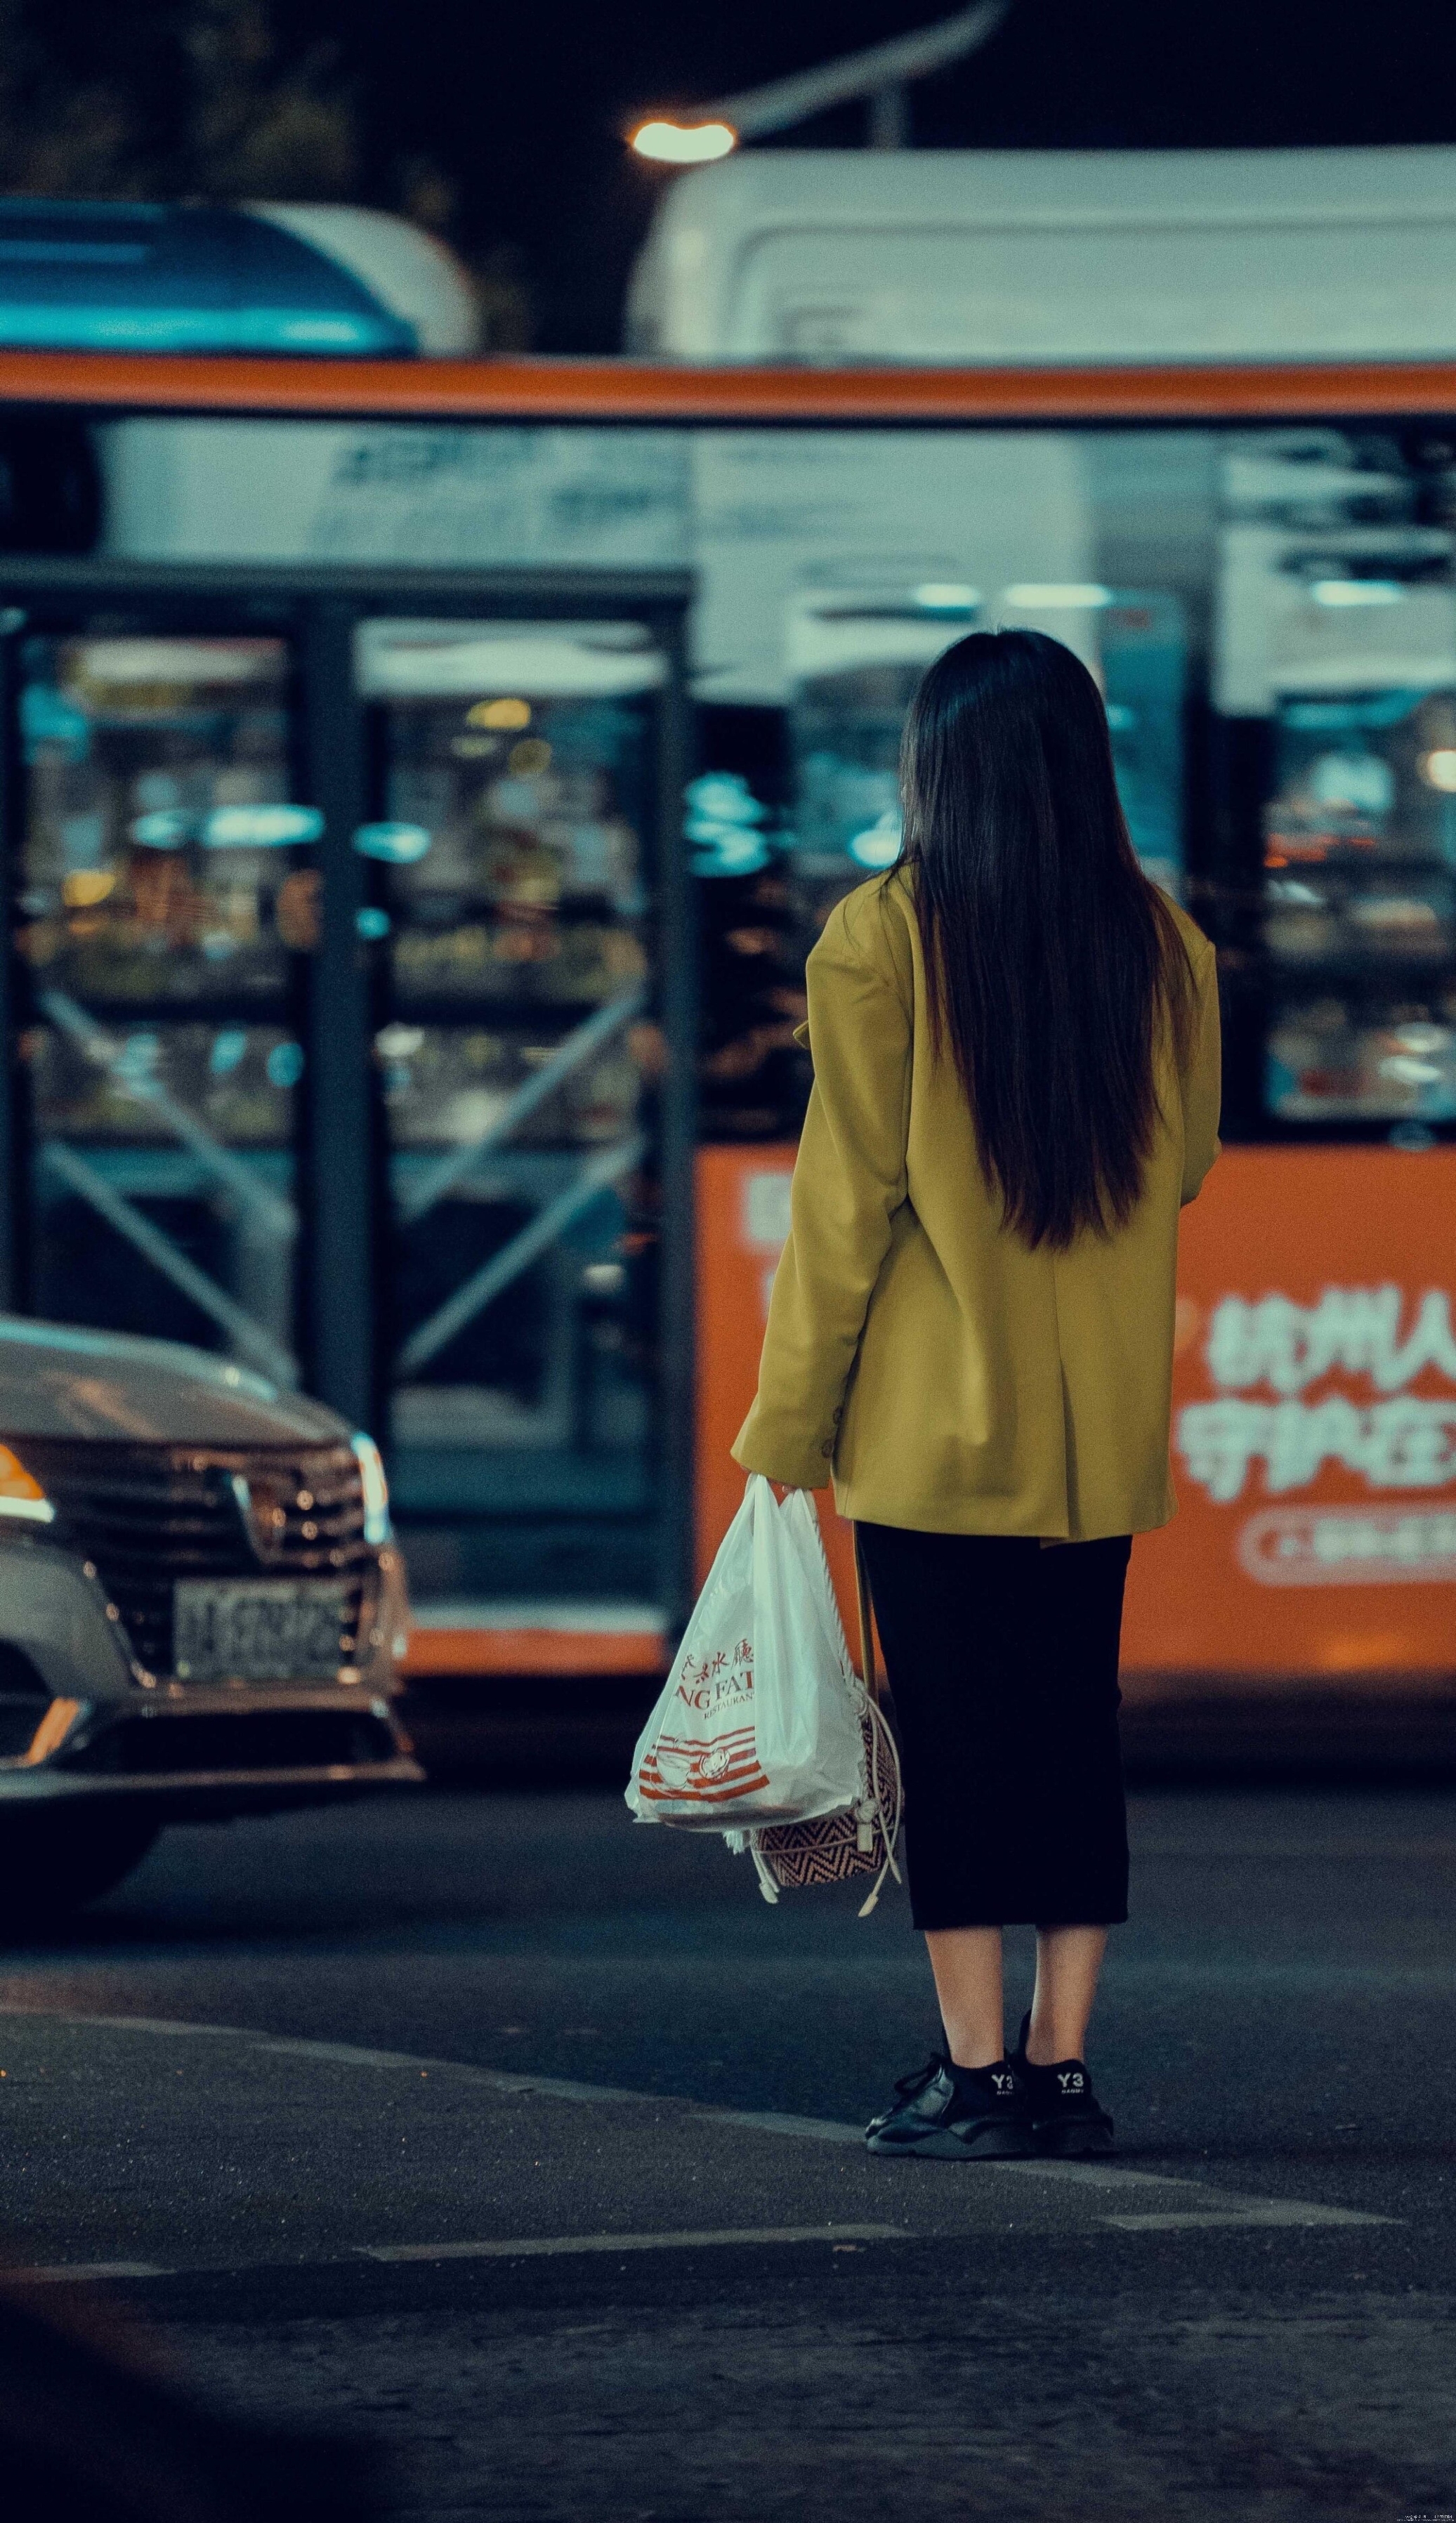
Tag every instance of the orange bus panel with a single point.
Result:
(435, 1653)
(1314, 1417)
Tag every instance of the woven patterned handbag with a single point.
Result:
(861, 1840)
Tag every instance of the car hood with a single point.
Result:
(57, 1380)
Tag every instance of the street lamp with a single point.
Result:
(882, 76)
(683, 144)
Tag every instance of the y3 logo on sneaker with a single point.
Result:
(1002, 2083)
(1070, 2079)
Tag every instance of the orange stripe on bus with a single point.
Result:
(544, 389)
(487, 1651)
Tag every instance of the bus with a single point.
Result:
(417, 804)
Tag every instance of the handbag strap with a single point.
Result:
(867, 1667)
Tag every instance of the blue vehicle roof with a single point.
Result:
(136, 276)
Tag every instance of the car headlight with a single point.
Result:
(376, 1489)
(21, 1493)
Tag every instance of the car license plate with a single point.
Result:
(268, 1628)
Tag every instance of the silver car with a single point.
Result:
(201, 1607)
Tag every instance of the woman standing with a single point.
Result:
(1016, 1086)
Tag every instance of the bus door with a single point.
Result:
(514, 910)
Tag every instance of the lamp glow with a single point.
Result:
(680, 144)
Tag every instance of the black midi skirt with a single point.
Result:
(1002, 1661)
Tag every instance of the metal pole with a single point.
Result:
(14, 1191)
(757, 110)
(251, 1338)
(678, 1014)
(339, 1274)
(581, 1045)
(275, 1218)
(889, 117)
(486, 1284)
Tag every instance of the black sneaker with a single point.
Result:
(1066, 2117)
(951, 2111)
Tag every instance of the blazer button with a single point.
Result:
(828, 1448)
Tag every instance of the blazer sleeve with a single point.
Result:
(1202, 1084)
(849, 1180)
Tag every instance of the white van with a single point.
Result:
(969, 258)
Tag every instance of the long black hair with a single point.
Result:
(1052, 965)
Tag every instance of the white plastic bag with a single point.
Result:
(759, 1721)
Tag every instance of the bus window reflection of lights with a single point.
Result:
(396, 844)
(675, 144)
(1410, 1071)
(879, 845)
(1073, 595)
(1346, 593)
(1361, 782)
(1439, 769)
(947, 597)
(261, 828)
(723, 825)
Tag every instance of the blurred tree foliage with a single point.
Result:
(170, 100)
(210, 101)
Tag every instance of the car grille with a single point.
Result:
(166, 1745)
(147, 1515)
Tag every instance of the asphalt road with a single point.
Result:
(522, 2144)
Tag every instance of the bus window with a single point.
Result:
(166, 896)
(1338, 629)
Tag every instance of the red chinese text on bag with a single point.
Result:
(759, 1720)
(696, 1756)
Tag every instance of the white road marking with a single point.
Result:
(539, 2247)
(1223, 2208)
(165, 2025)
(1233, 2208)
(782, 2124)
(76, 2269)
(342, 2054)
(1250, 2212)
(1096, 2172)
(349, 2054)
(1299, 1852)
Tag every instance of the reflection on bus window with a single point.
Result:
(163, 858)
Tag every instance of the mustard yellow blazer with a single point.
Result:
(951, 1378)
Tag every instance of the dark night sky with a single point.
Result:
(524, 106)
